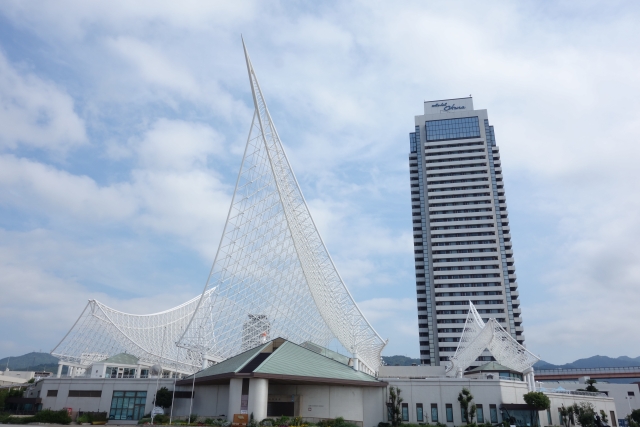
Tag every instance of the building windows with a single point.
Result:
(52, 393)
(117, 372)
(434, 412)
(493, 410)
(419, 413)
(614, 422)
(127, 405)
(480, 414)
(630, 393)
(463, 415)
(405, 412)
(84, 393)
(449, 410)
(466, 127)
(549, 421)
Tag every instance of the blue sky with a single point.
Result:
(122, 126)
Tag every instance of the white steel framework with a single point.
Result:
(478, 336)
(272, 274)
(101, 332)
(272, 277)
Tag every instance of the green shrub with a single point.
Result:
(381, 424)
(193, 418)
(160, 419)
(53, 417)
(84, 418)
(144, 420)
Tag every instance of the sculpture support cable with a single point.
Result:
(272, 262)
(272, 277)
(101, 332)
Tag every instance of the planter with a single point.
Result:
(99, 423)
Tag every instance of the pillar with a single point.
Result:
(528, 377)
(71, 371)
(258, 397)
(235, 397)
(59, 370)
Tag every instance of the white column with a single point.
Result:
(356, 362)
(59, 370)
(258, 397)
(71, 371)
(235, 397)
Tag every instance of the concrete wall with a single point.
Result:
(93, 404)
(331, 401)
(210, 401)
(557, 400)
(619, 392)
(442, 391)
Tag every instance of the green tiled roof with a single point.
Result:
(293, 360)
(122, 359)
(492, 366)
(231, 365)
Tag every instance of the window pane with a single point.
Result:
(449, 413)
(494, 413)
(405, 412)
(480, 414)
(419, 414)
(434, 412)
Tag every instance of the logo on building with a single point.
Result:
(446, 107)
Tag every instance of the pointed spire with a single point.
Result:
(272, 264)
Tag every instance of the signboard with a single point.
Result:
(448, 106)
(157, 411)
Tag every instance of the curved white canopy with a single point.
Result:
(478, 336)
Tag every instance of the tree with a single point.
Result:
(591, 386)
(634, 418)
(395, 402)
(584, 414)
(466, 398)
(164, 398)
(603, 416)
(537, 401)
(567, 416)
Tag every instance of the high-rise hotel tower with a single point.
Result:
(461, 235)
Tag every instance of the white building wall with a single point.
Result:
(94, 404)
(625, 403)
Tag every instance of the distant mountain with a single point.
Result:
(33, 361)
(36, 361)
(593, 362)
(400, 360)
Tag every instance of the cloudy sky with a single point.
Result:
(122, 126)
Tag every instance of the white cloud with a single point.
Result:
(153, 66)
(343, 82)
(36, 112)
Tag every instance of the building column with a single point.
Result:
(528, 377)
(235, 397)
(70, 371)
(59, 370)
(258, 397)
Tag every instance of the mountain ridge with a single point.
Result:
(38, 361)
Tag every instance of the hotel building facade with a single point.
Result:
(462, 240)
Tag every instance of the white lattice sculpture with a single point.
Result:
(478, 336)
(272, 262)
(101, 331)
(272, 277)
